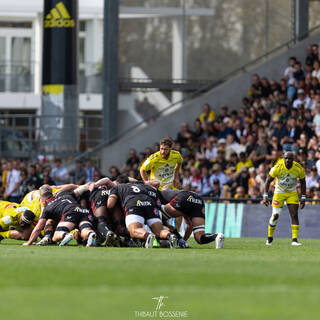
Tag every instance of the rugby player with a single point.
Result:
(15, 221)
(286, 172)
(163, 165)
(190, 205)
(66, 211)
(139, 202)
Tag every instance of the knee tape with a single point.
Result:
(64, 229)
(275, 216)
(101, 219)
(84, 226)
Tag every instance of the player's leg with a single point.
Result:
(16, 234)
(198, 225)
(63, 233)
(101, 213)
(87, 233)
(293, 210)
(48, 232)
(119, 226)
(277, 204)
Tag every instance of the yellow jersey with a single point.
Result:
(10, 214)
(286, 179)
(32, 201)
(162, 169)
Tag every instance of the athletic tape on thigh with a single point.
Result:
(276, 210)
(65, 229)
(198, 228)
(85, 225)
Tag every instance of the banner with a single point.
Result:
(251, 220)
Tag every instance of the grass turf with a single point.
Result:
(246, 280)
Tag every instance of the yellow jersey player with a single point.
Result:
(286, 172)
(33, 202)
(163, 165)
(15, 221)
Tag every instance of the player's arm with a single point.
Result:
(65, 187)
(144, 174)
(266, 201)
(303, 192)
(176, 176)
(104, 182)
(36, 231)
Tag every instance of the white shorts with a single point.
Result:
(132, 218)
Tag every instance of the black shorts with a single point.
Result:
(145, 208)
(189, 203)
(71, 216)
(87, 216)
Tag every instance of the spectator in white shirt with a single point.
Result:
(312, 178)
(13, 182)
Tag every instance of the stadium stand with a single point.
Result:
(225, 155)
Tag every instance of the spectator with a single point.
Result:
(312, 178)
(256, 87)
(195, 179)
(205, 182)
(243, 162)
(60, 174)
(254, 195)
(24, 188)
(184, 134)
(89, 170)
(301, 99)
(79, 173)
(13, 182)
(132, 162)
(218, 174)
(114, 172)
(240, 193)
(289, 71)
(33, 182)
(208, 115)
(216, 189)
(186, 179)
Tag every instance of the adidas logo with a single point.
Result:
(59, 17)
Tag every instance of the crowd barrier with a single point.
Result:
(237, 220)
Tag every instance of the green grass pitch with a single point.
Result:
(245, 280)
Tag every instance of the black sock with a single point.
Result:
(103, 229)
(64, 234)
(177, 234)
(207, 238)
(48, 234)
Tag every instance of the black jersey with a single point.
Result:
(129, 194)
(167, 195)
(56, 208)
(188, 202)
(98, 198)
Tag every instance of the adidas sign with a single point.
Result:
(59, 17)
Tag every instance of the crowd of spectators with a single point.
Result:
(19, 178)
(229, 154)
(226, 155)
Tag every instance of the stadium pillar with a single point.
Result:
(110, 69)
(301, 19)
(60, 97)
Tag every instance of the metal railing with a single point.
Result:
(21, 135)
